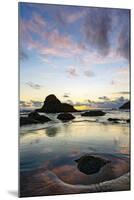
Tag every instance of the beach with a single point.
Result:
(48, 154)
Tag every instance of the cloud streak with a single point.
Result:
(104, 103)
(123, 93)
(24, 104)
(66, 95)
(34, 85)
(65, 17)
(104, 98)
(30, 104)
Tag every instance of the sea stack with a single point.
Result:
(53, 105)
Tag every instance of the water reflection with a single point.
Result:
(66, 169)
(71, 139)
(52, 131)
(50, 152)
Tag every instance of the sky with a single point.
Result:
(80, 54)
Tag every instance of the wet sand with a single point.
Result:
(54, 178)
(48, 155)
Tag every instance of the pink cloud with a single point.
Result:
(36, 24)
(50, 43)
(73, 17)
(41, 23)
(61, 45)
(65, 17)
(53, 43)
(63, 41)
(52, 51)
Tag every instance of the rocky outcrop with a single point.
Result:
(128, 120)
(93, 113)
(114, 120)
(117, 120)
(33, 118)
(41, 118)
(27, 121)
(65, 116)
(125, 106)
(90, 164)
(53, 105)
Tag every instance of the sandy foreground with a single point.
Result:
(67, 179)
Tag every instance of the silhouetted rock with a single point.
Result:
(41, 118)
(27, 121)
(125, 106)
(90, 164)
(33, 118)
(53, 105)
(93, 113)
(128, 120)
(65, 116)
(113, 119)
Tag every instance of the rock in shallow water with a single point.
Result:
(114, 120)
(41, 118)
(33, 118)
(27, 121)
(65, 116)
(90, 164)
(128, 120)
(93, 113)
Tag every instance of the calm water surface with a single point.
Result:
(43, 143)
(48, 152)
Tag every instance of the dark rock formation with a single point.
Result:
(33, 118)
(65, 116)
(128, 120)
(27, 121)
(125, 106)
(93, 113)
(53, 105)
(113, 119)
(90, 164)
